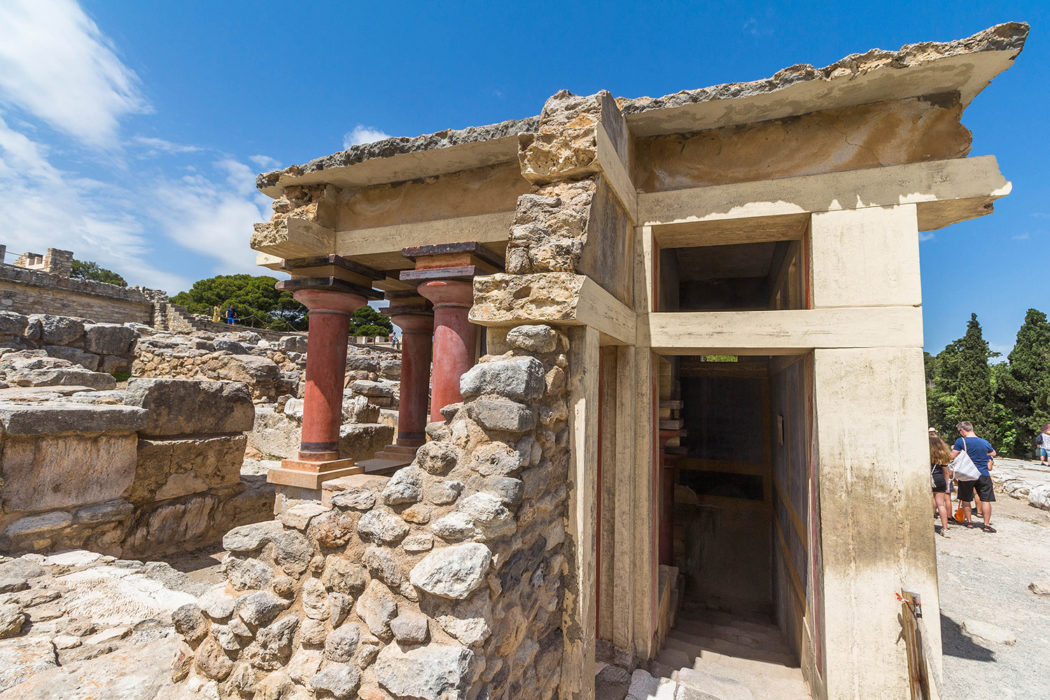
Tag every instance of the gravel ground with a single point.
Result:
(996, 632)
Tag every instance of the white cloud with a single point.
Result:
(48, 208)
(213, 216)
(1020, 237)
(56, 65)
(363, 134)
(264, 162)
(155, 146)
(925, 236)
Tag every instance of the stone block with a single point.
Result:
(109, 338)
(519, 378)
(87, 360)
(432, 671)
(500, 414)
(65, 471)
(533, 338)
(188, 407)
(452, 572)
(361, 440)
(178, 467)
(62, 376)
(372, 389)
(58, 330)
(55, 417)
(12, 323)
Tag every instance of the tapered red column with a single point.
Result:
(455, 338)
(318, 458)
(417, 330)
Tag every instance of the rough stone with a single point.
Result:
(430, 672)
(342, 643)
(212, 660)
(292, 551)
(226, 638)
(339, 606)
(344, 576)
(495, 413)
(354, 499)
(300, 515)
(315, 600)
(404, 487)
(247, 574)
(497, 459)
(444, 492)
(337, 680)
(422, 542)
(58, 330)
(259, 609)
(334, 528)
(312, 632)
(507, 489)
(437, 458)
(189, 407)
(409, 628)
(11, 620)
(190, 622)
(533, 338)
(377, 607)
(108, 338)
(383, 565)
(452, 572)
(989, 632)
(519, 378)
(304, 664)
(273, 644)
(381, 527)
(454, 526)
(488, 513)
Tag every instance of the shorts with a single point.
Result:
(983, 486)
(1043, 453)
(940, 484)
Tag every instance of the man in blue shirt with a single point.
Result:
(980, 450)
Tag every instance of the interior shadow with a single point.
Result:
(956, 643)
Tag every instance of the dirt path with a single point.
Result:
(996, 632)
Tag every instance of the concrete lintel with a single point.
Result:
(528, 299)
(780, 332)
(616, 173)
(293, 238)
(923, 184)
(381, 246)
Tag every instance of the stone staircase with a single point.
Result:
(710, 654)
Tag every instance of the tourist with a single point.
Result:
(215, 312)
(980, 451)
(231, 315)
(940, 455)
(1044, 445)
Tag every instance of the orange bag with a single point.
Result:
(960, 515)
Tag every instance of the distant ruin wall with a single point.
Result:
(37, 292)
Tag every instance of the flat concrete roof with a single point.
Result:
(965, 66)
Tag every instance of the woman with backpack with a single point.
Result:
(941, 475)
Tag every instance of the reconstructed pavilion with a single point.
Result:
(736, 271)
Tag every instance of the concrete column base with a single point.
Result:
(308, 474)
(389, 458)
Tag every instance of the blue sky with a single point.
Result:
(131, 132)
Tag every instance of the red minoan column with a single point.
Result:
(417, 329)
(455, 338)
(318, 458)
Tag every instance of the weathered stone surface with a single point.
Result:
(11, 620)
(507, 489)
(533, 338)
(300, 515)
(22, 658)
(12, 323)
(313, 632)
(454, 527)
(437, 458)
(87, 360)
(249, 538)
(342, 643)
(212, 660)
(430, 672)
(62, 376)
(354, 499)
(226, 638)
(469, 621)
(344, 576)
(58, 330)
(259, 609)
(292, 551)
(35, 526)
(339, 606)
(190, 622)
(497, 459)
(509, 298)
(383, 565)
(304, 664)
(169, 468)
(272, 647)
(418, 514)
(444, 492)
(36, 470)
(357, 409)
(500, 414)
(405, 486)
(54, 417)
(338, 680)
(381, 527)
(519, 378)
(315, 600)
(361, 440)
(452, 572)
(488, 513)
(422, 542)
(217, 603)
(375, 389)
(377, 607)
(409, 628)
(109, 338)
(187, 407)
(334, 528)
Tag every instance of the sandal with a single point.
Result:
(967, 525)
(987, 528)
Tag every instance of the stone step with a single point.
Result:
(709, 657)
(769, 639)
(771, 652)
(756, 623)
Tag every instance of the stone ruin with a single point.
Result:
(526, 531)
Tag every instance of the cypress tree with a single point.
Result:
(973, 394)
(1025, 390)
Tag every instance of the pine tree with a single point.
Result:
(973, 392)
(1025, 389)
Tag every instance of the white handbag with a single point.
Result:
(963, 467)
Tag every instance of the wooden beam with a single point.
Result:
(915, 183)
(483, 228)
(577, 679)
(780, 332)
(616, 173)
(624, 502)
(760, 229)
(601, 310)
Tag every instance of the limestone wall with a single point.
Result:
(103, 347)
(147, 471)
(34, 292)
(445, 580)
